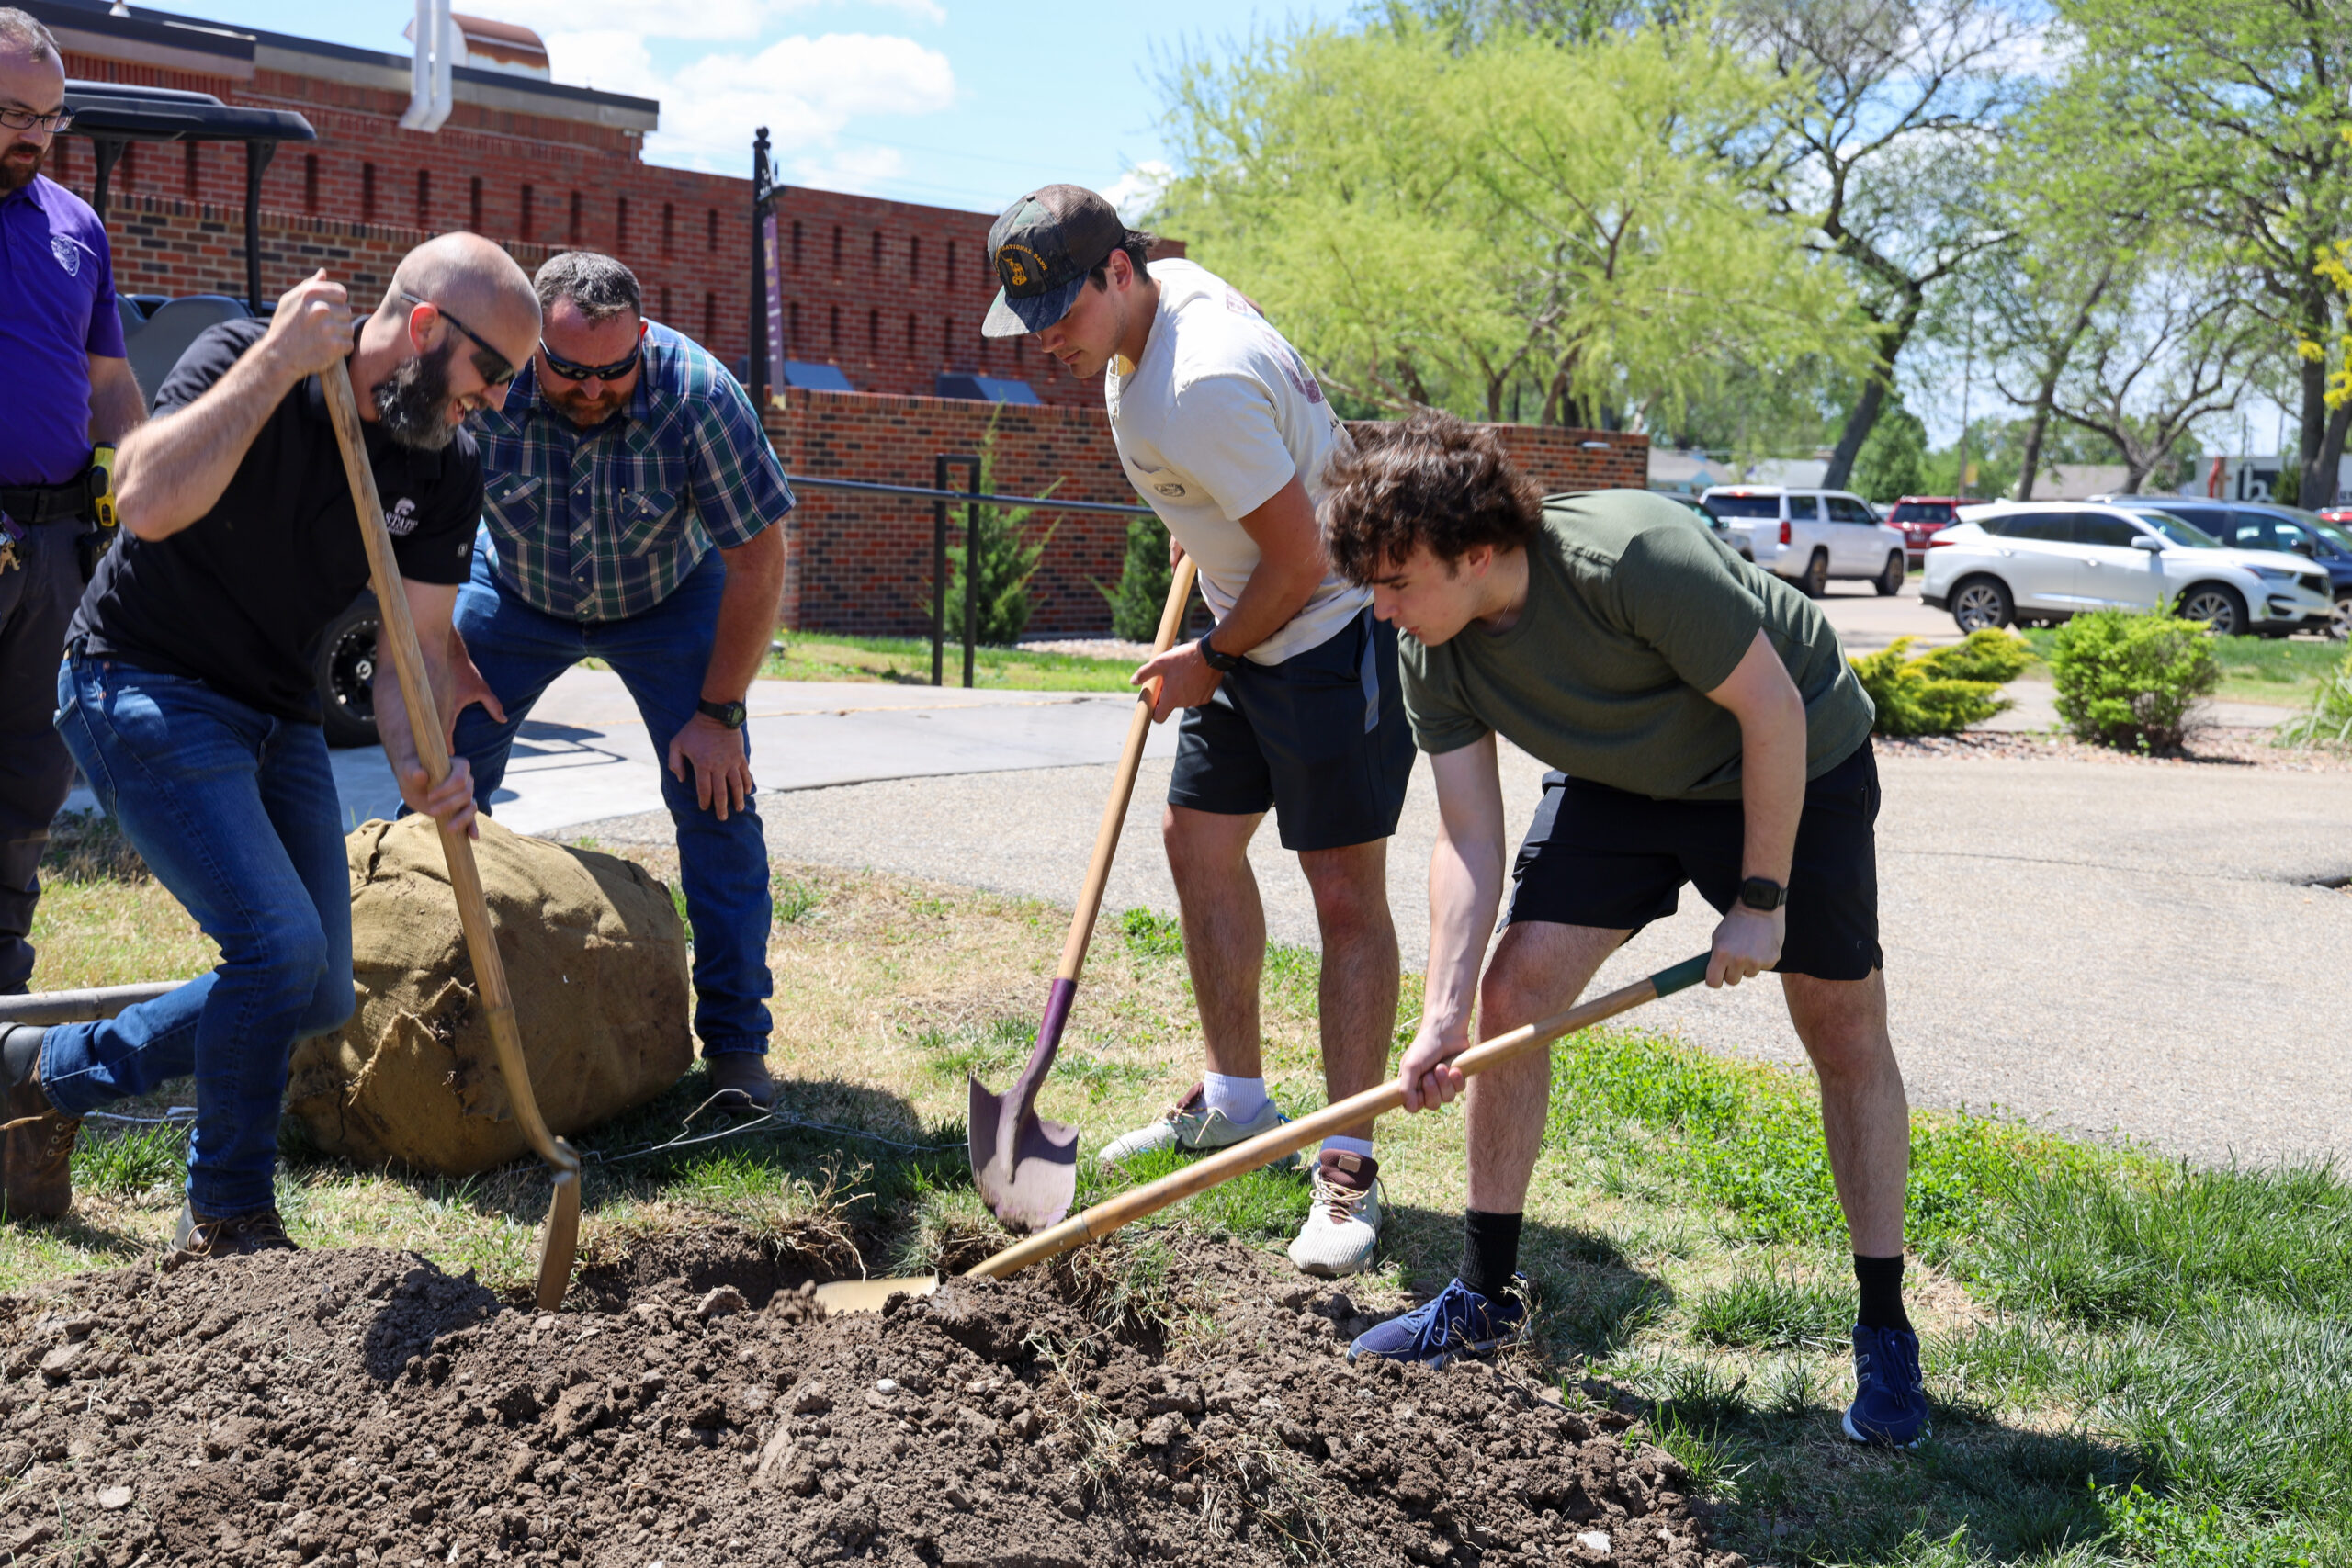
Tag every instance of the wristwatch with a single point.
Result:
(1223, 663)
(732, 714)
(1762, 893)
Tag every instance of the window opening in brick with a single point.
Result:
(914, 259)
(792, 317)
(473, 204)
(878, 250)
(669, 228)
(910, 337)
(620, 223)
(424, 198)
(796, 245)
(709, 316)
(946, 339)
(367, 193)
(192, 171)
(524, 230)
(837, 332)
(837, 247)
(713, 243)
(127, 171)
(873, 336)
(577, 209)
(666, 302)
(310, 182)
(950, 263)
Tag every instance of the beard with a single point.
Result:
(412, 402)
(585, 412)
(19, 163)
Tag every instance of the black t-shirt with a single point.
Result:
(238, 598)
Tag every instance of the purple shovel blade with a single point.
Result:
(1025, 1167)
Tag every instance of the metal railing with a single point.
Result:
(941, 496)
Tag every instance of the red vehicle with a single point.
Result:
(2339, 515)
(1920, 515)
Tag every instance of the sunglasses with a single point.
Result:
(489, 364)
(573, 370)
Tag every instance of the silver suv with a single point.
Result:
(1810, 537)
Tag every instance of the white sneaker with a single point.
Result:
(1343, 1226)
(1192, 1126)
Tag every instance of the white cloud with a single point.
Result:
(805, 90)
(856, 171)
(1136, 192)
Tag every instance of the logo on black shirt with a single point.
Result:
(401, 519)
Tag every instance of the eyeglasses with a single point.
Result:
(25, 119)
(573, 370)
(490, 365)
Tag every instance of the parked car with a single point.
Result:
(1921, 516)
(1811, 536)
(2267, 526)
(1715, 526)
(2043, 562)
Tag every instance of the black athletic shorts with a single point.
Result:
(1320, 738)
(1603, 857)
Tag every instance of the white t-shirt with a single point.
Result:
(1217, 417)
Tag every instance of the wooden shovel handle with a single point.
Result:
(1122, 788)
(397, 638)
(1292, 1136)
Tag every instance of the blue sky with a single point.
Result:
(958, 103)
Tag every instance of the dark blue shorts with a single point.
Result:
(1615, 861)
(1320, 740)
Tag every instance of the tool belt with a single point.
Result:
(88, 497)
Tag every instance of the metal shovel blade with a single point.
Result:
(1025, 1167)
(867, 1295)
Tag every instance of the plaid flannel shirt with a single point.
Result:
(601, 525)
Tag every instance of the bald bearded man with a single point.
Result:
(185, 697)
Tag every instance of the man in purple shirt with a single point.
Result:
(68, 386)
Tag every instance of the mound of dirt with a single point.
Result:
(362, 1407)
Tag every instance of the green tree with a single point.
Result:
(1009, 558)
(1891, 464)
(2231, 116)
(1445, 224)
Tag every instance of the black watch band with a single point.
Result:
(1222, 662)
(732, 714)
(1762, 893)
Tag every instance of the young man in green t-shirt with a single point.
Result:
(1706, 729)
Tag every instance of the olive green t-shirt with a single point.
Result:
(1633, 611)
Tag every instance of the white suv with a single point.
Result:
(2044, 561)
(1811, 536)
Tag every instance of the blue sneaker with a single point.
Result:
(1456, 1321)
(1890, 1404)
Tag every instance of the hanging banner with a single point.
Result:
(776, 296)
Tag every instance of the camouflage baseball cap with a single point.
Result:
(1045, 244)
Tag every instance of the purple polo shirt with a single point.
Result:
(56, 309)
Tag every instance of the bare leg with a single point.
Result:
(1225, 930)
(1864, 1116)
(1538, 969)
(1357, 995)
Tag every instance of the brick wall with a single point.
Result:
(862, 564)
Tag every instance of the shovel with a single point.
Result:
(869, 1295)
(1025, 1167)
(561, 1244)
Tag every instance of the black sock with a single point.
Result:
(16, 1055)
(1881, 1283)
(1490, 1251)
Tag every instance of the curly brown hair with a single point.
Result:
(1429, 479)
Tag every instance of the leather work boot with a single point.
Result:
(741, 1077)
(37, 1150)
(199, 1236)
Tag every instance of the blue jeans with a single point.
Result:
(661, 656)
(236, 814)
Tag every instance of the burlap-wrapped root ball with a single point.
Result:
(595, 956)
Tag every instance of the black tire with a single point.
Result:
(1815, 584)
(2217, 604)
(2342, 628)
(343, 667)
(1889, 582)
(1980, 602)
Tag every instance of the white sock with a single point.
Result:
(1339, 1143)
(1242, 1099)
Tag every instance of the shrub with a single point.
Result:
(1009, 558)
(1142, 592)
(2129, 678)
(1944, 690)
(2328, 721)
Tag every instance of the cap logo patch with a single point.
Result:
(1020, 266)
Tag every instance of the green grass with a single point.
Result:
(826, 656)
(2281, 670)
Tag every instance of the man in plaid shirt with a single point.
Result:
(631, 502)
